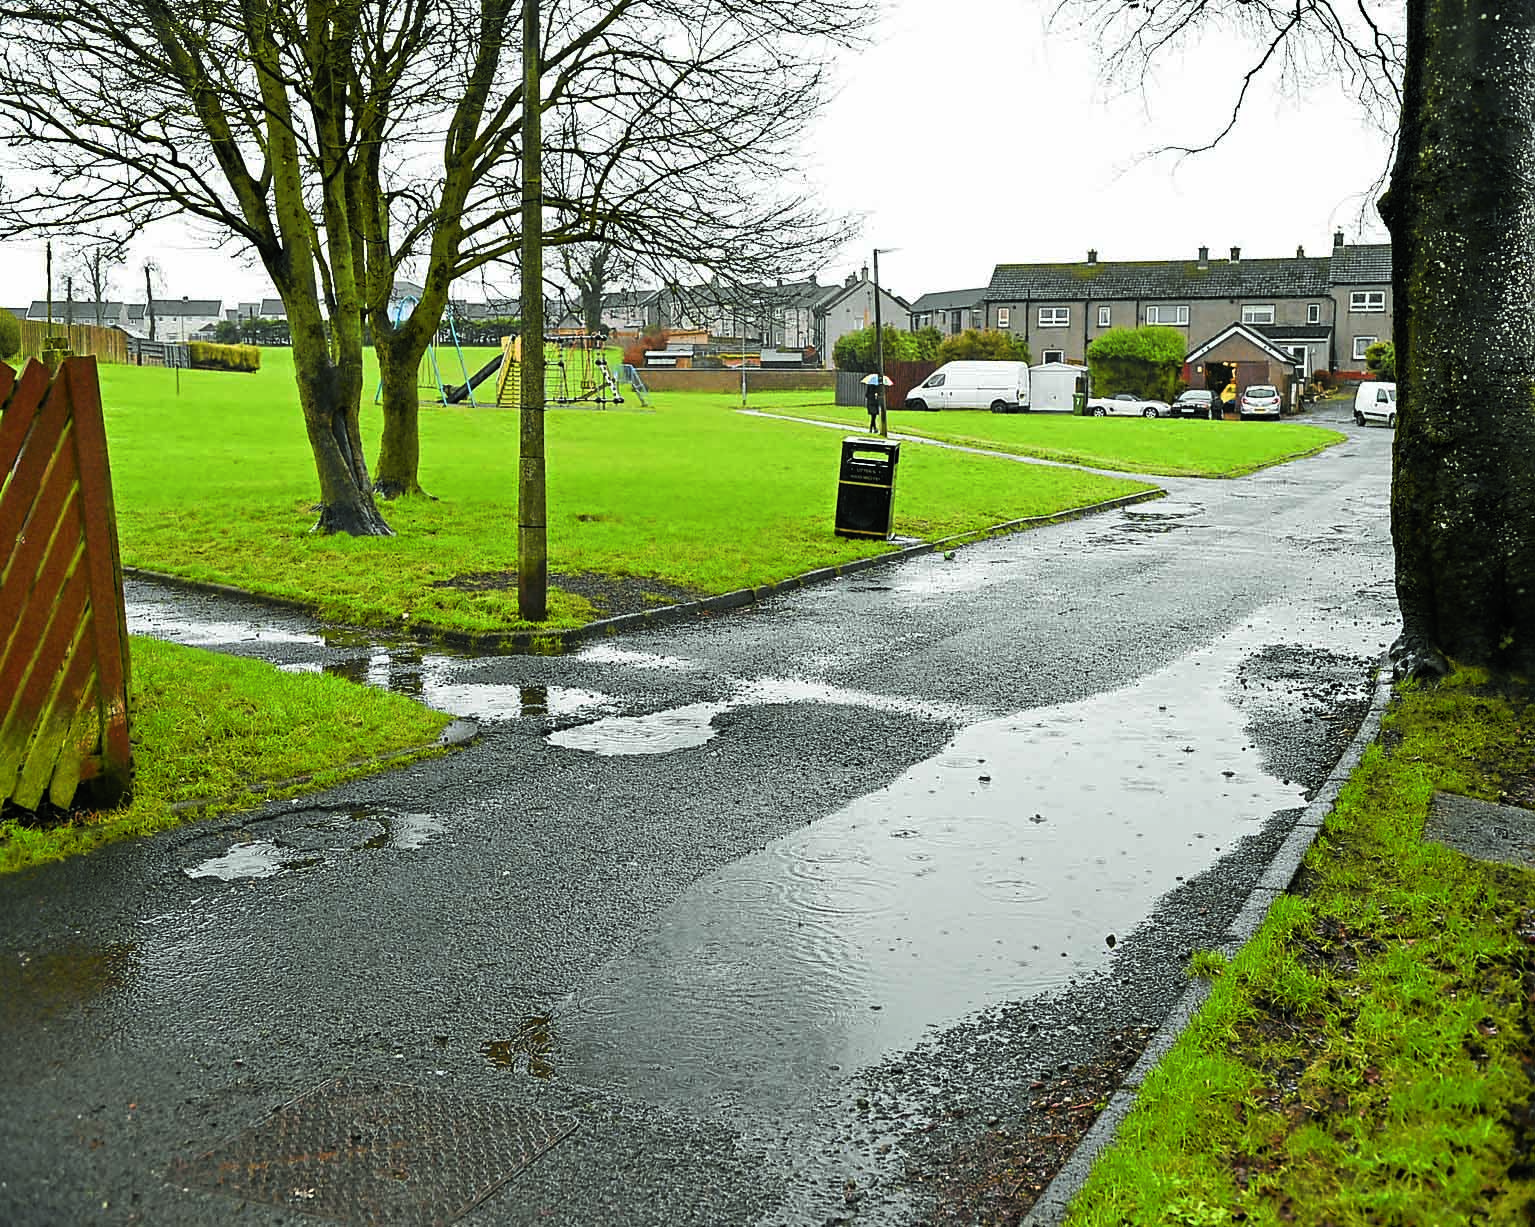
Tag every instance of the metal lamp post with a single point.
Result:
(879, 347)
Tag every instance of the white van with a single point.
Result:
(1375, 402)
(1000, 386)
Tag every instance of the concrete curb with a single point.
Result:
(559, 640)
(1051, 1208)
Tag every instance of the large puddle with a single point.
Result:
(997, 870)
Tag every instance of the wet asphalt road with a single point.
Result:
(762, 903)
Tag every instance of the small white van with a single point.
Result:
(999, 386)
(1375, 402)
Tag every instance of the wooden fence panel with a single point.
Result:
(105, 344)
(64, 666)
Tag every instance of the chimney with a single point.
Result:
(1092, 256)
(863, 273)
(1300, 252)
(852, 280)
(812, 278)
(1204, 257)
(1236, 255)
(1337, 239)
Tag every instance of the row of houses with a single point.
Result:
(1316, 312)
(1323, 312)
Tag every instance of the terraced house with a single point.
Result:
(1315, 312)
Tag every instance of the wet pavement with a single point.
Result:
(776, 907)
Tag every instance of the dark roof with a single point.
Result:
(845, 290)
(80, 312)
(948, 300)
(19, 312)
(1293, 332)
(1248, 331)
(272, 308)
(187, 306)
(1292, 277)
(1362, 264)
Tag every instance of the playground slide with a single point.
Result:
(455, 393)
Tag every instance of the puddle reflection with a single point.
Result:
(992, 872)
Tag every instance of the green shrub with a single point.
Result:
(1381, 358)
(974, 345)
(207, 356)
(855, 351)
(1142, 361)
(10, 335)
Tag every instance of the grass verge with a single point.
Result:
(217, 485)
(1366, 1058)
(1181, 447)
(230, 732)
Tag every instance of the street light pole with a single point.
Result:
(879, 347)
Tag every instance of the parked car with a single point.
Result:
(1002, 387)
(1126, 404)
(1375, 402)
(1193, 403)
(1259, 400)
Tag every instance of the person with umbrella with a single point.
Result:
(871, 400)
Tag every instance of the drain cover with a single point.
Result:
(377, 1153)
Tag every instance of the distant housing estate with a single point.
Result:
(1321, 311)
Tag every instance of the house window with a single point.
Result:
(1302, 359)
(1258, 315)
(1054, 355)
(1003, 315)
(1313, 313)
(1361, 344)
(1054, 317)
(1103, 317)
(1367, 300)
(1167, 315)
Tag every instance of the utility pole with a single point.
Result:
(149, 301)
(879, 348)
(532, 521)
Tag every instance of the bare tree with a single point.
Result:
(96, 260)
(1461, 214)
(339, 139)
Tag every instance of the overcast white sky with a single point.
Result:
(968, 136)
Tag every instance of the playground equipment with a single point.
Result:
(576, 371)
(448, 394)
(632, 376)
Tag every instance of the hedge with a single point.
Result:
(207, 356)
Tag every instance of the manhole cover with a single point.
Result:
(377, 1152)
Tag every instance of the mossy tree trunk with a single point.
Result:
(1461, 211)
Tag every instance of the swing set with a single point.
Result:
(576, 369)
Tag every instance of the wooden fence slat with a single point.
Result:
(17, 421)
(110, 624)
(64, 667)
(19, 590)
(38, 450)
(27, 708)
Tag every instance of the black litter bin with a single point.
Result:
(866, 489)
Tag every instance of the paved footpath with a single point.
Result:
(742, 920)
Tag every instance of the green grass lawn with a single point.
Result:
(230, 733)
(1177, 447)
(1366, 1058)
(216, 483)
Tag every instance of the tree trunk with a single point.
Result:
(1461, 213)
(330, 396)
(399, 450)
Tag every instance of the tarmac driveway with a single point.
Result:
(755, 918)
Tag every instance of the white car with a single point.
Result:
(1375, 402)
(1259, 400)
(1125, 404)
